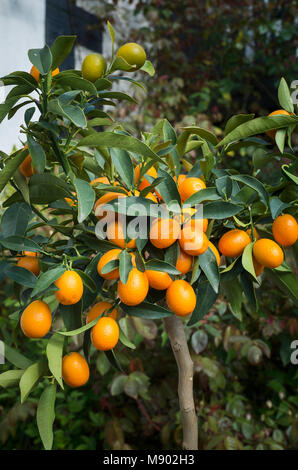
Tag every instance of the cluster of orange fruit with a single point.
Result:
(266, 252)
(36, 321)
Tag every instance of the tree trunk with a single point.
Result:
(175, 330)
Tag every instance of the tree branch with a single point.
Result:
(175, 330)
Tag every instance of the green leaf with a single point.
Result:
(163, 266)
(117, 95)
(224, 186)
(254, 184)
(47, 278)
(21, 275)
(284, 96)
(120, 64)
(125, 142)
(193, 130)
(61, 48)
(37, 154)
(18, 243)
(112, 32)
(277, 206)
(233, 292)
(124, 166)
(148, 68)
(46, 188)
(111, 357)
(81, 329)
(74, 113)
(208, 264)
(235, 121)
(206, 297)
(45, 415)
(10, 378)
(146, 310)
(208, 194)
(247, 260)
(76, 83)
(220, 210)
(41, 58)
(288, 173)
(168, 188)
(258, 126)
(125, 265)
(54, 353)
(11, 166)
(21, 183)
(86, 198)
(248, 288)
(124, 340)
(15, 357)
(15, 219)
(288, 280)
(71, 315)
(87, 280)
(30, 378)
(280, 138)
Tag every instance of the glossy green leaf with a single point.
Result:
(125, 265)
(125, 142)
(220, 210)
(277, 206)
(30, 378)
(61, 48)
(284, 96)
(208, 194)
(235, 121)
(41, 58)
(258, 126)
(18, 243)
(162, 266)
(124, 166)
(22, 276)
(254, 184)
(54, 353)
(37, 154)
(208, 264)
(11, 166)
(233, 292)
(86, 198)
(45, 415)
(167, 187)
(15, 357)
(47, 278)
(15, 219)
(148, 68)
(146, 310)
(247, 260)
(10, 378)
(206, 297)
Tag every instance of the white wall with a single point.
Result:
(22, 27)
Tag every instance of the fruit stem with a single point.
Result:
(175, 330)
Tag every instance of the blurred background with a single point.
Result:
(213, 59)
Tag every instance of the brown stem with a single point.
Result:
(175, 330)
(144, 412)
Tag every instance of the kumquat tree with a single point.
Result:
(101, 229)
